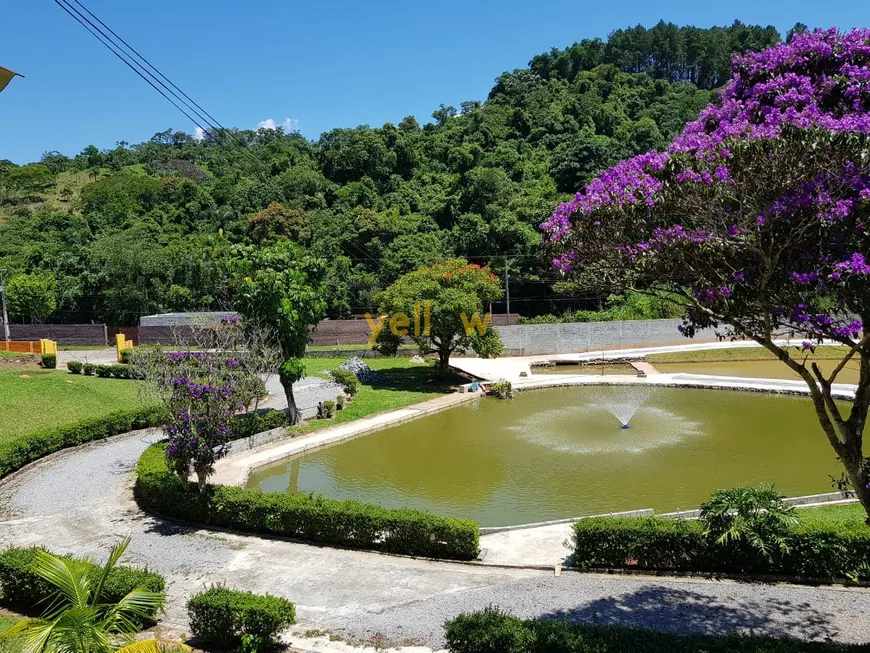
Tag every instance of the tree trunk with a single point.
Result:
(293, 414)
(201, 476)
(854, 465)
(443, 362)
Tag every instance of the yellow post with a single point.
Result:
(121, 343)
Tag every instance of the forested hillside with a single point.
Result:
(111, 235)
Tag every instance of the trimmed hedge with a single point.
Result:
(815, 551)
(48, 361)
(15, 454)
(117, 371)
(220, 616)
(303, 517)
(493, 631)
(244, 426)
(23, 588)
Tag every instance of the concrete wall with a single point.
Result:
(590, 336)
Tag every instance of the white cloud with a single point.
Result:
(289, 124)
(198, 134)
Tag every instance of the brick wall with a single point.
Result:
(63, 334)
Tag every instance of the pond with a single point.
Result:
(561, 452)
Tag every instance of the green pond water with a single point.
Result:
(561, 452)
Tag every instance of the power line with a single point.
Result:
(205, 114)
(150, 78)
(108, 44)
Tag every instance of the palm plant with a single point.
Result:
(77, 622)
(752, 514)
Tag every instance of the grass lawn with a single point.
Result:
(402, 384)
(6, 622)
(824, 352)
(15, 354)
(54, 398)
(851, 513)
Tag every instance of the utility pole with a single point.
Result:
(3, 303)
(507, 287)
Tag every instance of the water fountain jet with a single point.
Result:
(626, 403)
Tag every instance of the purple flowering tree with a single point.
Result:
(198, 428)
(203, 389)
(757, 219)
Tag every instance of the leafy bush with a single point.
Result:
(125, 355)
(48, 361)
(103, 371)
(347, 380)
(221, 616)
(755, 515)
(88, 369)
(74, 367)
(23, 588)
(14, 454)
(326, 409)
(339, 402)
(493, 631)
(489, 630)
(814, 550)
(244, 426)
(303, 517)
(502, 389)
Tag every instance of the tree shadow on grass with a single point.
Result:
(681, 611)
(415, 379)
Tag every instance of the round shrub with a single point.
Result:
(74, 367)
(88, 369)
(48, 361)
(221, 616)
(488, 631)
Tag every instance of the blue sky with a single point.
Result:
(316, 64)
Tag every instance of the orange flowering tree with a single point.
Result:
(441, 308)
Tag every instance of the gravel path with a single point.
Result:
(80, 502)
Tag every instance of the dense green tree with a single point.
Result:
(442, 309)
(282, 287)
(31, 297)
